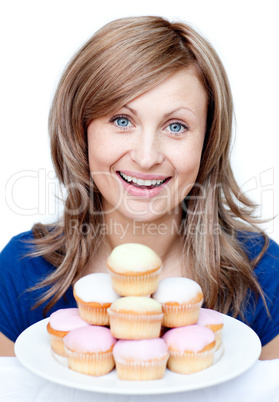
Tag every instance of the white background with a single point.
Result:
(39, 37)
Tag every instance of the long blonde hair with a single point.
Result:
(123, 60)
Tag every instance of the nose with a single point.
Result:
(147, 150)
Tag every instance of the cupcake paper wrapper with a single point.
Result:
(144, 370)
(135, 285)
(57, 345)
(95, 364)
(179, 316)
(190, 362)
(93, 315)
(135, 326)
(218, 338)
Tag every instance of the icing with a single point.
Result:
(96, 288)
(142, 350)
(191, 338)
(210, 317)
(66, 319)
(133, 257)
(138, 304)
(176, 289)
(91, 339)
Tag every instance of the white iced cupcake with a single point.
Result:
(94, 294)
(134, 269)
(181, 300)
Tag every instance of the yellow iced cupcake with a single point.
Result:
(135, 318)
(134, 269)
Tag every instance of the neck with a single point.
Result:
(162, 235)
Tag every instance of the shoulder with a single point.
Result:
(19, 272)
(265, 324)
(267, 266)
(18, 243)
(253, 244)
(15, 259)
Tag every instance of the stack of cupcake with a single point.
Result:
(130, 319)
(81, 335)
(135, 318)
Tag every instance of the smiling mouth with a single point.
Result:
(140, 183)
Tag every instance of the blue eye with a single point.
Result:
(122, 121)
(177, 127)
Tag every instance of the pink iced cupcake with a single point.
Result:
(213, 320)
(191, 348)
(144, 359)
(60, 323)
(89, 350)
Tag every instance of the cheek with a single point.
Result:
(188, 160)
(96, 159)
(100, 163)
(104, 149)
(99, 154)
(188, 169)
(98, 149)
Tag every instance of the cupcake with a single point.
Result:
(135, 318)
(60, 323)
(134, 269)
(89, 350)
(94, 294)
(213, 320)
(143, 359)
(181, 300)
(191, 348)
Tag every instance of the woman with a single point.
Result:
(140, 136)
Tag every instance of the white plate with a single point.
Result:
(241, 345)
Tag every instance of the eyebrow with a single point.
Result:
(166, 114)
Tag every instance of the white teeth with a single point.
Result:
(141, 182)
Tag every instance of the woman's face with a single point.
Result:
(145, 157)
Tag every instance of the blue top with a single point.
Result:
(18, 273)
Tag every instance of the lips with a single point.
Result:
(150, 183)
(143, 185)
